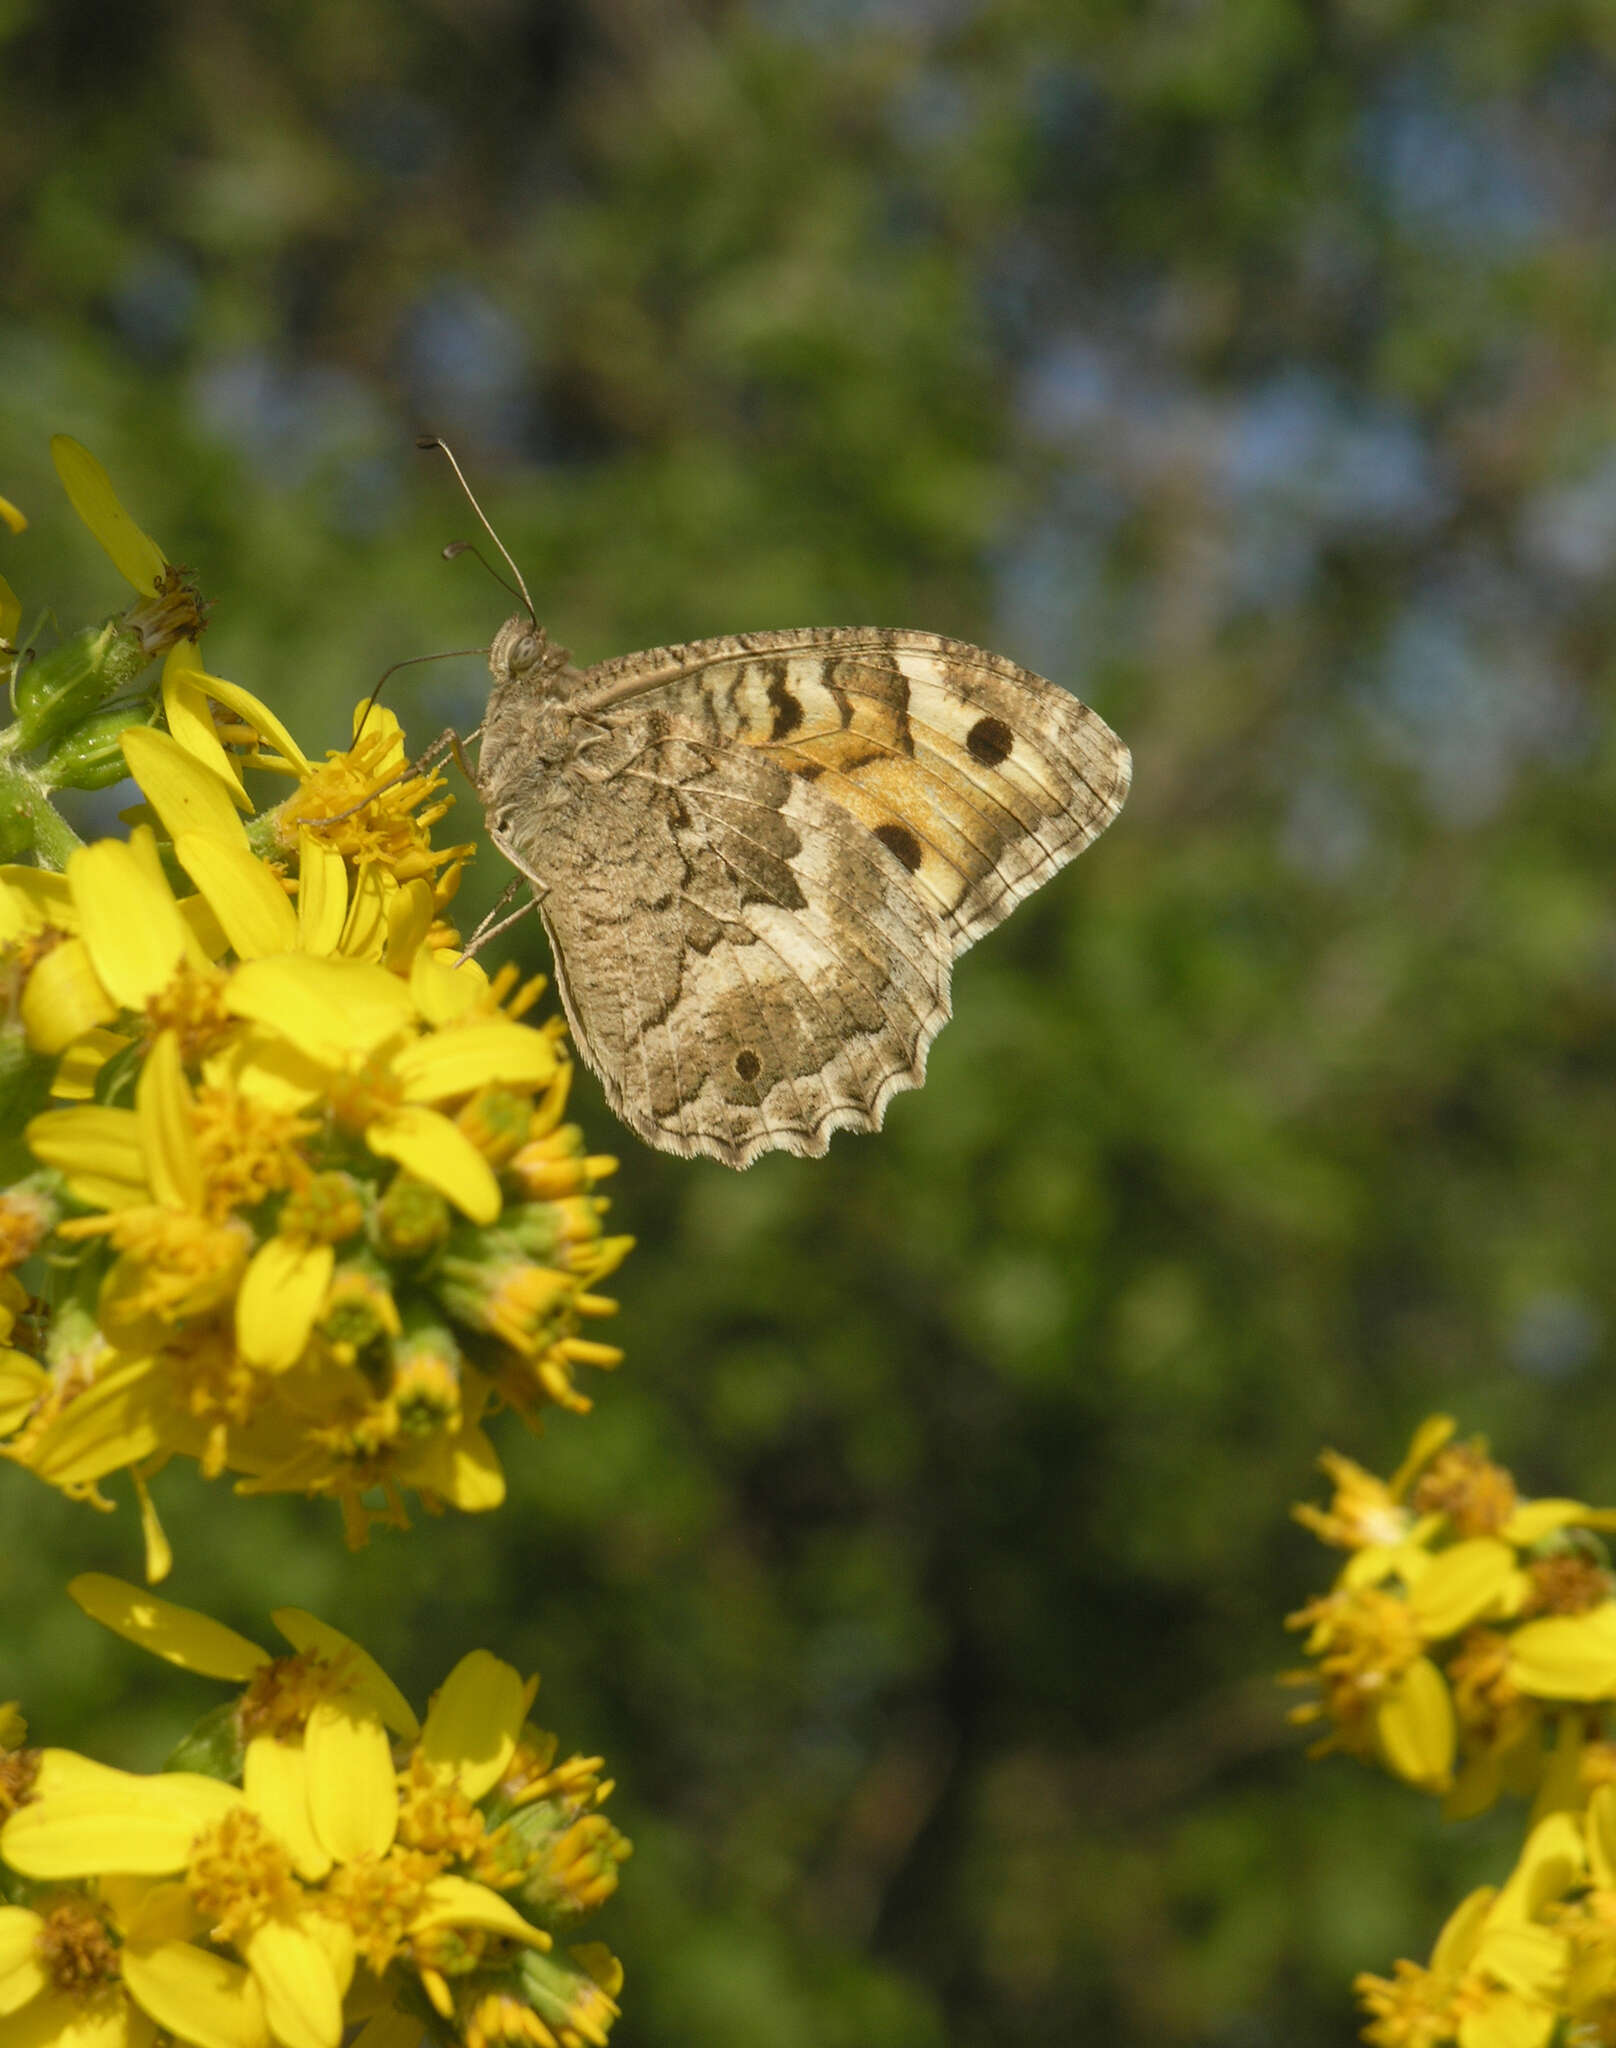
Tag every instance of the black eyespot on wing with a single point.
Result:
(900, 840)
(989, 741)
(748, 1065)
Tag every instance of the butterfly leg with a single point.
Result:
(493, 924)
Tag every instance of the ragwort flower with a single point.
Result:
(319, 1210)
(1461, 1618)
(335, 1862)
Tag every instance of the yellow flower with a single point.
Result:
(310, 1896)
(365, 804)
(1499, 1973)
(63, 1980)
(351, 1034)
(1366, 1512)
(319, 1190)
(1568, 1657)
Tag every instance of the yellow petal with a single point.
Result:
(154, 1538)
(1551, 1863)
(1456, 1944)
(13, 517)
(166, 1111)
(1505, 2019)
(1461, 1585)
(81, 1063)
(471, 1056)
(381, 721)
(464, 1469)
(444, 992)
(151, 1910)
(411, 913)
(1531, 1960)
(47, 895)
(136, 557)
(322, 893)
(249, 902)
(200, 1997)
(596, 1960)
(367, 1682)
(62, 2019)
(473, 1724)
(253, 711)
(179, 1635)
(457, 1902)
(1415, 1727)
(185, 793)
(1601, 1832)
(353, 1790)
(21, 1975)
(63, 999)
(185, 708)
(281, 1294)
(269, 1069)
(1535, 1519)
(440, 1153)
(22, 1381)
(111, 1424)
(1566, 1657)
(1427, 1440)
(114, 1821)
(326, 1008)
(97, 1149)
(135, 934)
(301, 2001)
(365, 930)
(276, 1783)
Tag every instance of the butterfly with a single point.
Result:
(758, 857)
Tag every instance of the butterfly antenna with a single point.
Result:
(410, 661)
(432, 441)
(456, 548)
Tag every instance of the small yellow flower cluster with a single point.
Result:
(1516, 1962)
(1468, 1646)
(1463, 1625)
(303, 1204)
(316, 1861)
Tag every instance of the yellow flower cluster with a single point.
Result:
(1463, 1625)
(1468, 1646)
(304, 1206)
(318, 1861)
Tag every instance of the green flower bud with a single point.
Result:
(412, 1219)
(62, 688)
(89, 757)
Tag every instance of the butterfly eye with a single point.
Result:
(527, 653)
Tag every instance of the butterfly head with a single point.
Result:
(524, 654)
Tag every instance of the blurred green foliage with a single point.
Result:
(1246, 367)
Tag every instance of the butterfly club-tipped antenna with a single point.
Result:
(462, 547)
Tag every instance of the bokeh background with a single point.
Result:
(1247, 367)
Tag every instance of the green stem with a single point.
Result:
(29, 823)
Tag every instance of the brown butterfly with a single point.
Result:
(758, 857)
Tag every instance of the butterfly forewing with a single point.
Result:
(980, 777)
